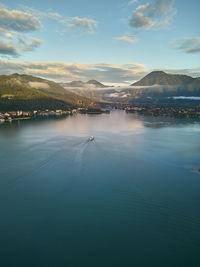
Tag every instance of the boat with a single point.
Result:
(91, 138)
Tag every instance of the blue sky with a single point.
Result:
(114, 41)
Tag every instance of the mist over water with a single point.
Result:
(129, 198)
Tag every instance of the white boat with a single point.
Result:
(91, 138)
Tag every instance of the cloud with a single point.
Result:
(49, 14)
(132, 2)
(186, 97)
(194, 72)
(190, 45)
(156, 15)
(14, 25)
(139, 19)
(103, 72)
(22, 45)
(66, 72)
(18, 21)
(39, 85)
(129, 38)
(8, 49)
(53, 15)
(29, 45)
(9, 35)
(85, 23)
(117, 94)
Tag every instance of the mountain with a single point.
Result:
(81, 84)
(96, 84)
(157, 86)
(29, 92)
(161, 84)
(73, 84)
(162, 78)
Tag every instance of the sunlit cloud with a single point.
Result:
(9, 35)
(18, 21)
(132, 2)
(8, 49)
(103, 72)
(87, 24)
(14, 26)
(128, 38)
(66, 72)
(28, 45)
(21, 44)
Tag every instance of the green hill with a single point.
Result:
(18, 90)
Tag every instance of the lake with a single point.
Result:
(129, 198)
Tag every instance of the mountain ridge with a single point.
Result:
(22, 88)
(82, 84)
(163, 78)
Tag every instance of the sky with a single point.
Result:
(113, 41)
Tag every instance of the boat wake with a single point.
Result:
(80, 155)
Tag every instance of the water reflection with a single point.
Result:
(162, 121)
(80, 124)
(136, 185)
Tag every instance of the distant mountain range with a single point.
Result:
(156, 84)
(81, 84)
(28, 92)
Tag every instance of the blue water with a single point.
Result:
(130, 198)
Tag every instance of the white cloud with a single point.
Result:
(29, 45)
(21, 45)
(103, 72)
(9, 35)
(132, 2)
(14, 25)
(129, 38)
(66, 72)
(39, 85)
(190, 45)
(85, 23)
(156, 15)
(18, 21)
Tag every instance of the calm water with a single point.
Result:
(131, 198)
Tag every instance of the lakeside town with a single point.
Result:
(10, 116)
(152, 110)
(145, 110)
(171, 111)
(25, 115)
